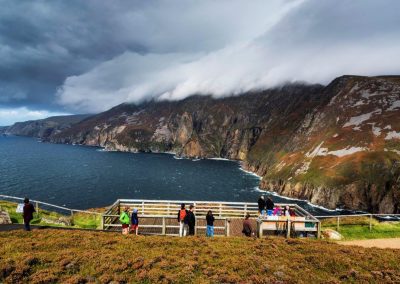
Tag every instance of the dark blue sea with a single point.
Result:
(82, 177)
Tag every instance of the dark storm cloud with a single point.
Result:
(87, 56)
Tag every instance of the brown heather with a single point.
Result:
(51, 256)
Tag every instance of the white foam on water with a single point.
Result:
(250, 173)
(219, 159)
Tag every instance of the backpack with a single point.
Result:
(182, 214)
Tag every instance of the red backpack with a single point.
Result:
(182, 214)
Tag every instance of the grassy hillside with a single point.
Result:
(49, 256)
(47, 218)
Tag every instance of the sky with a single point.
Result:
(69, 57)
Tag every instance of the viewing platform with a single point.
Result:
(159, 217)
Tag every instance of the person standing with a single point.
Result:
(135, 222)
(269, 204)
(247, 229)
(182, 220)
(191, 220)
(124, 219)
(261, 204)
(27, 214)
(210, 224)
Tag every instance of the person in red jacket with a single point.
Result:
(27, 214)
(182, 220)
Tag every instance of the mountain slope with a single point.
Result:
(43, 128)
(337, 146)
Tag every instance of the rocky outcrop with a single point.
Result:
(4, 218)
(337, 146)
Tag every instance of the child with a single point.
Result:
(124, 219)
(135, 222)
(210, 224)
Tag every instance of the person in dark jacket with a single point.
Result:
(269, 204)
(27, 214)
(190, 219)
(261, 204)
(210, 224)
(247, 229)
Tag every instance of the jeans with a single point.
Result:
(27, 226)
(210, 231)
(269, 212)
(182, 229)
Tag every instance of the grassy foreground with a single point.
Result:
(51, 256)
(357, 228)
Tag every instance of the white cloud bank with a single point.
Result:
(9, 116)
(313, 41)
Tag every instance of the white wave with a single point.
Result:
(219, 159)
(196, 160)
(250, 173)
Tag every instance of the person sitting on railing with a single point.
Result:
(182, 220)
(247, 229)
(27, 213)
(210, 224)
(269, 204)
(135, 222)
(190, 219)
(124, 219)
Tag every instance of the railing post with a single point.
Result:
(102, 221)
(227, 227)
(288, 228)
(142, 207)
(37, 208)
(245, 210)
(370, 222)
(338, 223)
(318, 230)
(163, 226)
(220, 210)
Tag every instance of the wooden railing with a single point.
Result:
(163, 214)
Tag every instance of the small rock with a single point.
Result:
(279, 274)
(4, 218)
(332, 235)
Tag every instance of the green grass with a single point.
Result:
(51, 256)
(357, 228)
(79, 220)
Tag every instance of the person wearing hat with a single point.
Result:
(27, 213)
(135, 222)
(124, 219)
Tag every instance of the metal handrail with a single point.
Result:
(51, 205)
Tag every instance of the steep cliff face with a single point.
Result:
(337, 146)
(347, 152)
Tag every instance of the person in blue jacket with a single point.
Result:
(135, 221)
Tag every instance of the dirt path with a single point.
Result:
(379, 243)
